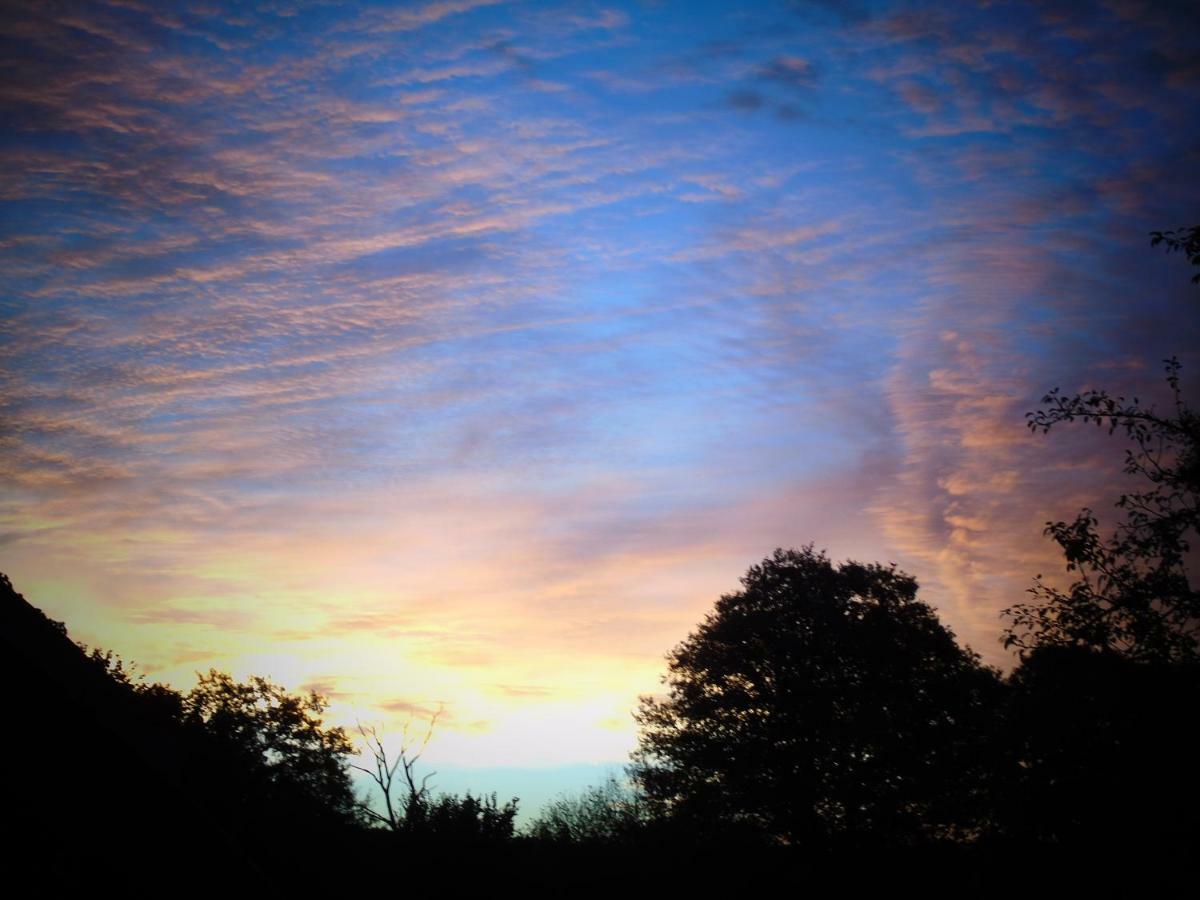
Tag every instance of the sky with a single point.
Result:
(457, 354)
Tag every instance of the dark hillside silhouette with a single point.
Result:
(93, 765)
(112, 779)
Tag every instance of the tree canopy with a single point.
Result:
(817, 701)
(287, 759)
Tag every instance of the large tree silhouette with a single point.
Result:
(819, 702)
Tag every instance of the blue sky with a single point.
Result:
(460, 354)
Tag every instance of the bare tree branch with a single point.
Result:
(385, 769)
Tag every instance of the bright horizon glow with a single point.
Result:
(461, 354)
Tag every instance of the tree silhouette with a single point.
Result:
(275, 746)
(819, 702)
(1133, 593)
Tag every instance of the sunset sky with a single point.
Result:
(460, 353)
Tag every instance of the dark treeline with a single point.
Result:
(820, 718)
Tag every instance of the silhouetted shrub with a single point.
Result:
(611, 813)
(463, 820)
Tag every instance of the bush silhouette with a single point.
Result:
(611, 813)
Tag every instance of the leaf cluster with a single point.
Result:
(1181, 240)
